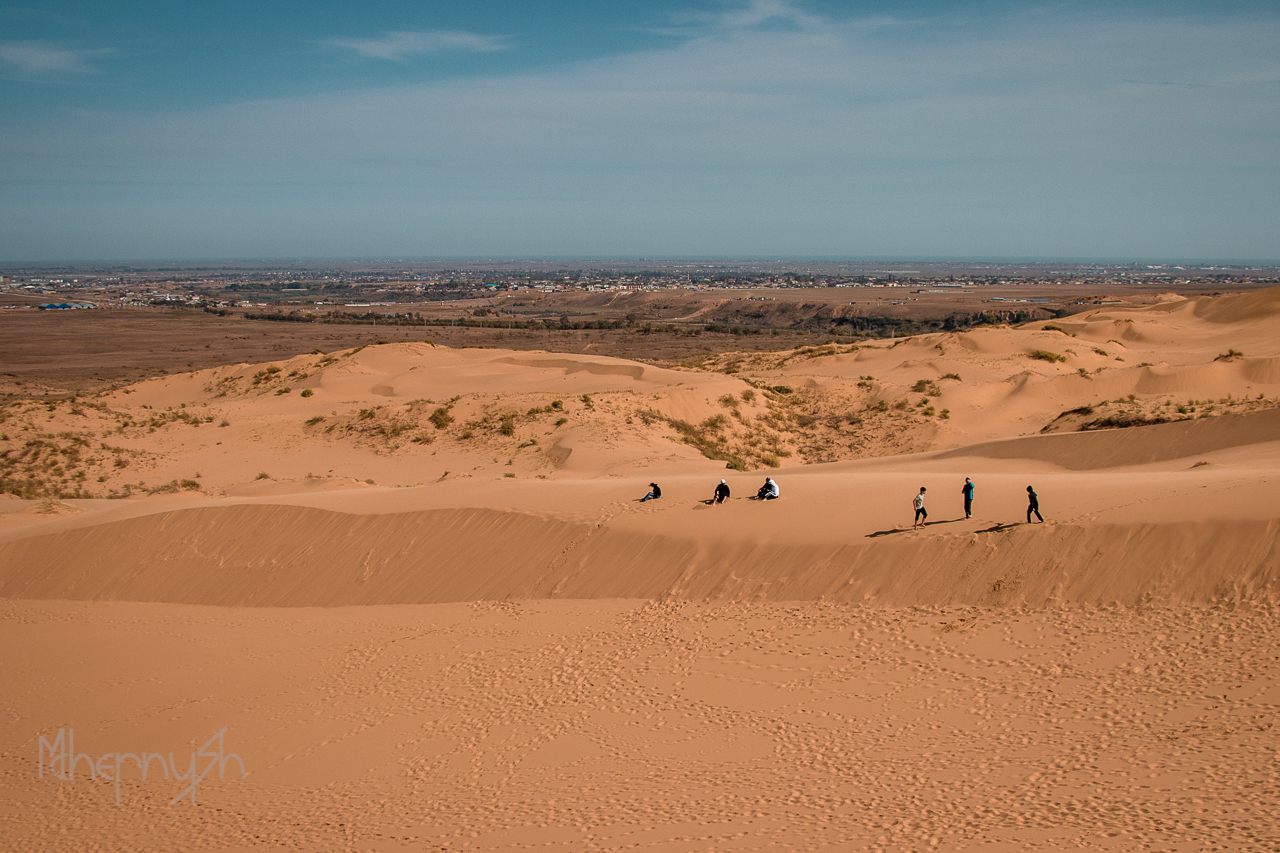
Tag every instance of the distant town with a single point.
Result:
(371, 284)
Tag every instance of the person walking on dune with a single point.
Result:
(654, 493)
(967, 491)
(922, 514)
(722, 493)
(1033, 505)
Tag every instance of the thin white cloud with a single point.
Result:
(1000, 137)
(40, 59)
(760, 12)
(402, 45)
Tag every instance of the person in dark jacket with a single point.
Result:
(769, 491)
(967, 491)
(722, 493)
(1033, 505)
(654, 493)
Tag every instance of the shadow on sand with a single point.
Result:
(1001, 527)
(880, 533)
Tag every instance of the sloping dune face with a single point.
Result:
(1241, 309)
(290, 556)
(412, 473)
(997, 382)
(413, 594)
(1181, 512)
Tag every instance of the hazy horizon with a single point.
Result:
(698, 130)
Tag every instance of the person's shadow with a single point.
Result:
(880, 533)
(1000, 527)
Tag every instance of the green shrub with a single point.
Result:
(1045, 355)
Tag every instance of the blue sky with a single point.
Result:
(763, 128)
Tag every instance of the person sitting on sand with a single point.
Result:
(921, 513)
(967, 491)
(1033, 505)
(769, 491)
(722, 493)
(654, 493)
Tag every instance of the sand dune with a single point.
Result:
(1189, 518)
(646, 726)
(417, 589)
(289, 556)
(297, 456)
(1122, 447)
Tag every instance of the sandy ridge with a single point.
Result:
(292, 556)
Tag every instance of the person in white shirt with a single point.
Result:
(921, 513)
(769, 491)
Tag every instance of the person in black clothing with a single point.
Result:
(967, 490)
(654, 493)
(1033, 505)
(722, 493)
(769, 491)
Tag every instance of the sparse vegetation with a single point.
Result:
(1045, 355)
(927, 387)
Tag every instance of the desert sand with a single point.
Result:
(415, 586)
